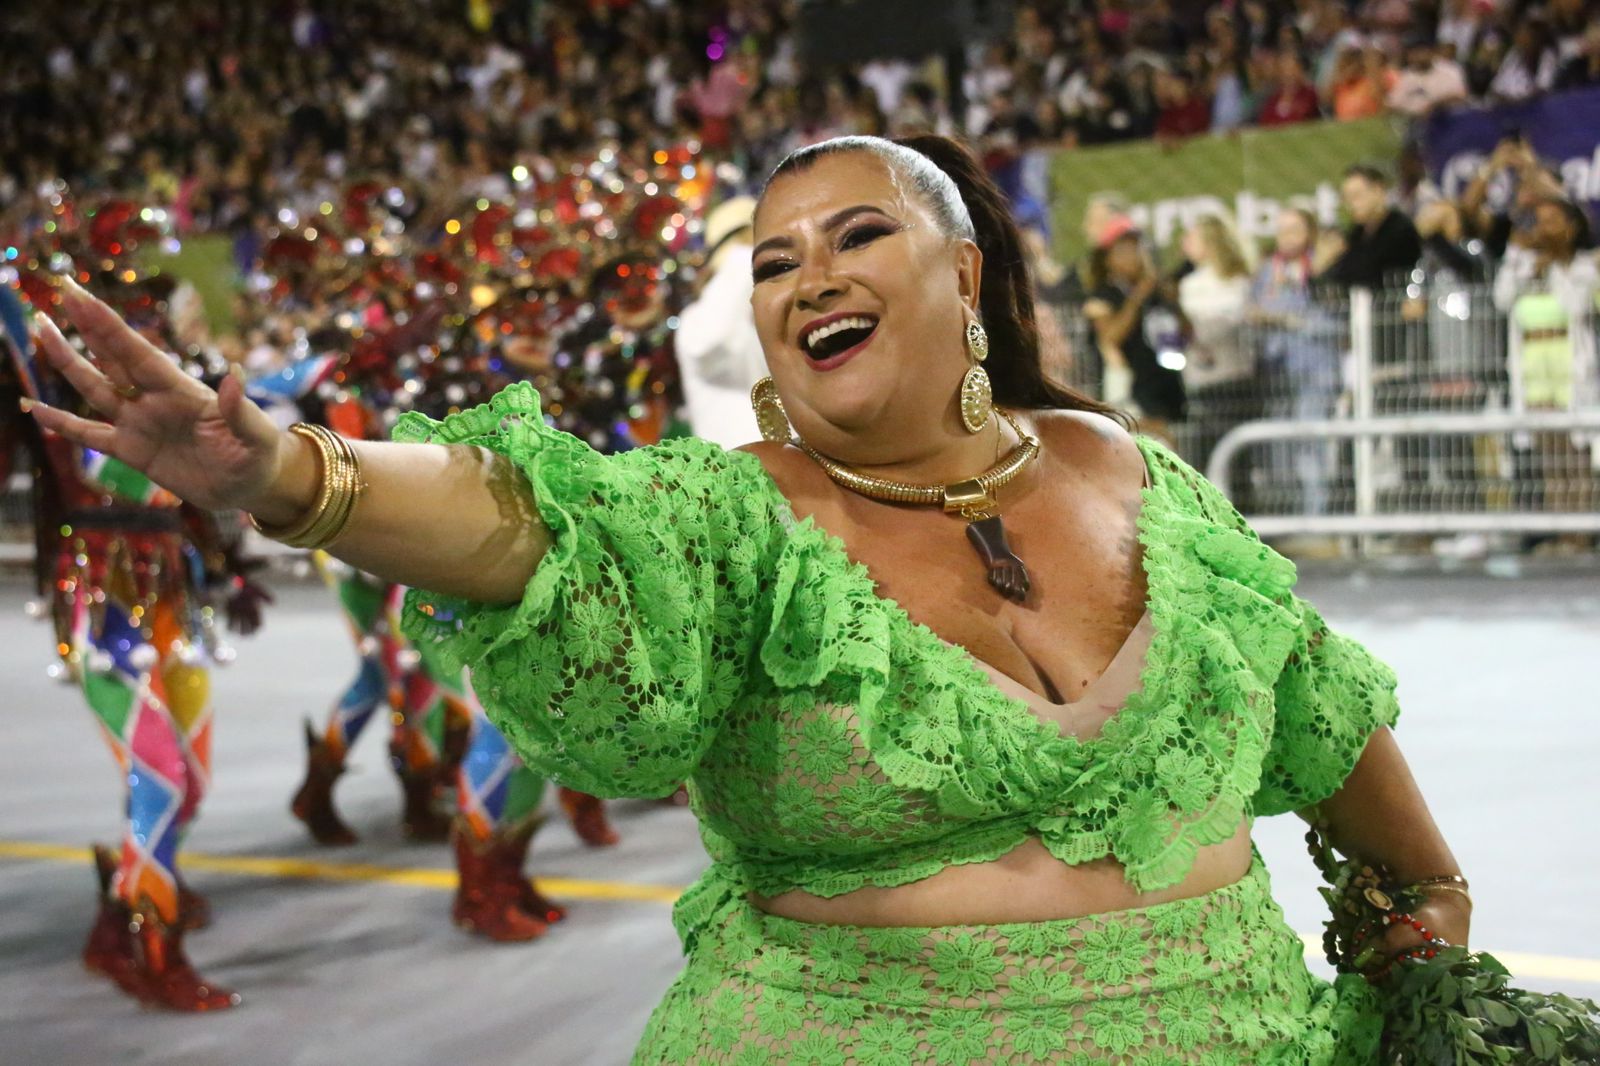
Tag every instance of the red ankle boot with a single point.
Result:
(513, 848)
(489, 893)
(194, 910)
(109, 949)
(159, 973)
(588, 817)
(313, 803)
(420, 817)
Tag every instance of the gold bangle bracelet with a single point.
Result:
(335, 464)
(329, 518)
(297, 529)
(349, 490)
(1442, 879)
(1442, 886)
(346, 478)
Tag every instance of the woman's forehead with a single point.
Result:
(828, 186)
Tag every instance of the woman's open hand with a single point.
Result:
(214, 449)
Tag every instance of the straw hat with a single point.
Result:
(725, 221)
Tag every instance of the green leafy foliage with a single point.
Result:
(1457, 1008)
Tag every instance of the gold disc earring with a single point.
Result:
(771, 418)
(977, 398)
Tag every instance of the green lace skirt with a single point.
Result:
(1217, 979)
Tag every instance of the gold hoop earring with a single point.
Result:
(771, 418)
(977, 397)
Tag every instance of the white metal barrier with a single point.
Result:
(1366, 518)
(1432, 407)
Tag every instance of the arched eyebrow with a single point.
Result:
(833, 222)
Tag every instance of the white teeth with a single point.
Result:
(824, 332)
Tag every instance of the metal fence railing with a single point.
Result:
(1430, 407)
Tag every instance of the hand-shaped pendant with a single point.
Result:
(1006, 572)
(988, 535)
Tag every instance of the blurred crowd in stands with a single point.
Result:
(223, 108)
(229, 113)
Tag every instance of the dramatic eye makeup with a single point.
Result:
(864, 232)
(770, 269)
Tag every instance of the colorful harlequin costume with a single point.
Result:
(439, 737)
(131, 574)
(542, 288)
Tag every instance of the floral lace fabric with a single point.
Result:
(685, 626)
(1217, 979)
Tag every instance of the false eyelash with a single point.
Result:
(770, 269)
(870, 232)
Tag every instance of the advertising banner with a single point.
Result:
(1246, 177)
(1563, 129)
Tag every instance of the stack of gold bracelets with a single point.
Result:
(341, 485)
(1443, 883)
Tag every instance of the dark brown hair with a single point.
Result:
(966, 204)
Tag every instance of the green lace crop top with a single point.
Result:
(684, 626)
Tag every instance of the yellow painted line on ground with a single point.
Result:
(1538, 967)
(316, 870)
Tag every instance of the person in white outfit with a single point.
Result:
(719, 355)
(1219, 373)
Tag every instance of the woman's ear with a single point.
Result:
(969, 273)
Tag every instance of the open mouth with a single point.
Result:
(826, 343)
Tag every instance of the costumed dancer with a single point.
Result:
(439, 737)
(595, 338)
(367, 309)
(426, 729)
(399, 303)
(130, 574)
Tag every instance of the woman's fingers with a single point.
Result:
(97, 435)
(116, 344)
(242, 416)
(79, 372)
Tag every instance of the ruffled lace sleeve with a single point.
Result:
(1330, 697)
(631, 640)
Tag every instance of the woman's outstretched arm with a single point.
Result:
(455, 520)
(452, 519)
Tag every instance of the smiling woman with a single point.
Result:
(947, 825)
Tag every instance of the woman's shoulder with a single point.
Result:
(689, 466)
(1095, 445)
(1115, 457)
(797, 478)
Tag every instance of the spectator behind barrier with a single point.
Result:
(1380, 242)
(1299, 357)
(1219, 372)
(1137, 330)
(1549, 286)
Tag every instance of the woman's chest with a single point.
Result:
(1087, 586)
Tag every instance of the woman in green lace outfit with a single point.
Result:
(962, 808)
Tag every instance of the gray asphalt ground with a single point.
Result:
(1502, 726)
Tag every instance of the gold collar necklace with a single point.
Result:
(973, 499)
